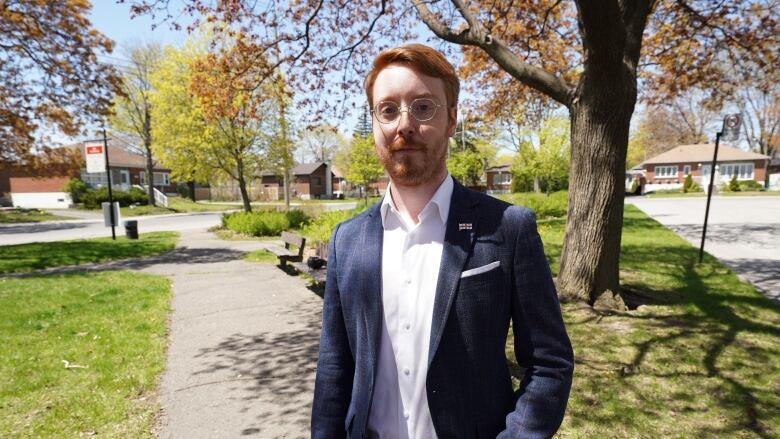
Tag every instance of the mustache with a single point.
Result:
(401, 143)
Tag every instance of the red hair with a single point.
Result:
(424, 60)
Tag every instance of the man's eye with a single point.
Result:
(388, 109)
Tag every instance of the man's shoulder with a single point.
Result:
(353, 225)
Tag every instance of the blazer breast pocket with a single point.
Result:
(480, 270)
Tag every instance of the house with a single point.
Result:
(669, 169)
(30, 190)
(128, 169)
(498, 179)
(310, 181)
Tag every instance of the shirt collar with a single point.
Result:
(441, 200)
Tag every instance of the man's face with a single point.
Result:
(413, 152)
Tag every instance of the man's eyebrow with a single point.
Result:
(419, 96)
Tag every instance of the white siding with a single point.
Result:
(41, 200)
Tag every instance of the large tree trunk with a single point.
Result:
(600, 118)
(286, 188)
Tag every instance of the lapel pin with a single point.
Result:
(464, 226)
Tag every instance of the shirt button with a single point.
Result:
(407, 371)
(407, 326)
(408, 281)
(406, 415)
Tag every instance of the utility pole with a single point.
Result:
(110, 194)
(730, 131)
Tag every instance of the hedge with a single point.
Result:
(264, 223)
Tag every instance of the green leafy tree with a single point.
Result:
(132, 109)
(467, 166)
(281, 149)
(545, 168)
(687, 184)
(361, 164)
(734, 184)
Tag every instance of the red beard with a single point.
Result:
(414, 166)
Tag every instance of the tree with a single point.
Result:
(49, 77)
(132, 110)
(361, 164)
(320, 142)
(467, 166)
(363, 128)
(545, 167)
(280, 151)
(586, 56)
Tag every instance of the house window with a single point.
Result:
(502, 179)
(316, 181)
(687, 170)
(743, 171)
(666, 171)
(161, 179)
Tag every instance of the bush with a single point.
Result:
(320, 229)
(634, 187)
(554, 205)
(750, 185)
(687, 184)
(263, 223)
(93, 198)
(76, 188)
(733, 184)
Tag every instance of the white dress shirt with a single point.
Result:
(411, 256)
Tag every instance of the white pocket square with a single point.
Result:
(480, 270)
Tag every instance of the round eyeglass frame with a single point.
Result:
(375, 111)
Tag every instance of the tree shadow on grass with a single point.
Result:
(272, 375)
(713, 317)
(40, 227)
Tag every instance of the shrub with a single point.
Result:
(554, 205)
(733, 184)
(750, 185)
(138, 196)
(93, 198)
(687, 183)
(76, 188)
(263, 223)
(320, 229)
(634, 187)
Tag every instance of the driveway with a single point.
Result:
(743, 232)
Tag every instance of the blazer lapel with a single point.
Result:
(371, 241)
(458, 241)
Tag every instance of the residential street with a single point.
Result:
(93, 228)
(743, 232)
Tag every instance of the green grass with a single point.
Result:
(262, 256)
(129, 212)
(111, 323)
(698, 360)
(12, 216)
(38, 255)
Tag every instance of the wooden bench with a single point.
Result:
(285, 254)
(319, 275)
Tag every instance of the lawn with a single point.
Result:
(83, 353)
(262, 256)
(12, 216)
(177, 205)
(716, 194)
(698, 359)
(38, 255)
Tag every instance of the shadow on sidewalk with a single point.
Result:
(272, 375)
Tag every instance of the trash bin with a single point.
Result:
(131, 229)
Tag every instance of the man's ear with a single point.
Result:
(452, 120)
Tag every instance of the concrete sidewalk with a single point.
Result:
(243, 344)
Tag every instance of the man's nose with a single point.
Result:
(405, 123)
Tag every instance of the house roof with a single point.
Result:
(500, 168)
(702, 153)
(120, 156)
(306, 169)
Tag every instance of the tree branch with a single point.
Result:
(476, 35)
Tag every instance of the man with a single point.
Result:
(421, 289)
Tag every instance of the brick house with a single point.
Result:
(128, 169)
(310, 181)
(498, 179)
(27, 190)
(669, 169)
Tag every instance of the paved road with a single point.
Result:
(743, 232)
(93, 228)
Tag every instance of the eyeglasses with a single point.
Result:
(422, 110)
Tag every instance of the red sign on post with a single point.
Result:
(96, 159)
